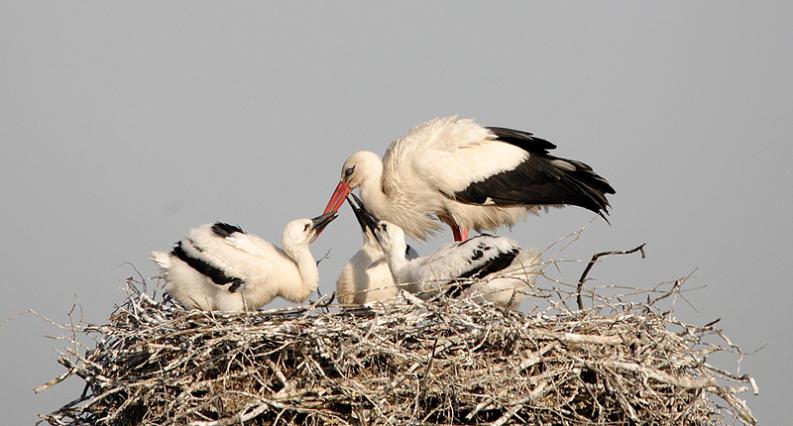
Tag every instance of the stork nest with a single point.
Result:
(450, 361)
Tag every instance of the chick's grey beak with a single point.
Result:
(365, 219)
(378, 233)
(320, 222)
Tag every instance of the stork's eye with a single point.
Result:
(305, 228)
(383, 226)
(348, 172)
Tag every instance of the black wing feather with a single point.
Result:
(540, 180)
(223, 230)
(500, 261)
(521, 139)
(215, 274)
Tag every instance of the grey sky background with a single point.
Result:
(121, 126)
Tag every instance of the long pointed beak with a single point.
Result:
(378, 234)
(338, 197)
(320, 222)
(365, 219)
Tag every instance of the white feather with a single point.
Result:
(451, 261)
(511, 286)
(266, 270)
(414, 182)
(161, 258)
(441, 157)
(430, 275)
(448, 154)
(366, 278)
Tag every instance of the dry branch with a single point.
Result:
(411, 361)
(592, 262)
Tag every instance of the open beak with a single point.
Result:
(365, 219)
(338, 197)
(320, 222)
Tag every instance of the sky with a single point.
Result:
(122, 125)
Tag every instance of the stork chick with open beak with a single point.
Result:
(220, 267)
(467, 176)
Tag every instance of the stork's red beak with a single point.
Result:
(337, 199)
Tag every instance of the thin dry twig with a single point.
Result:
(591, 263)
(407, 361)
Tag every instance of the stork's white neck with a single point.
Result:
(372, 192)
(397, 262)
(309, 274)
(372, 182)
(386, 200)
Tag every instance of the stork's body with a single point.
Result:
(493, 268)
(221, 268)
(366, 278)
(467, 176)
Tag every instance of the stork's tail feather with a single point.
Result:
(555, 180)
(587, 188)
(161, 258)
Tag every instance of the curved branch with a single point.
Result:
(592, 263)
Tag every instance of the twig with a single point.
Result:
(404, 361)
(592, 263)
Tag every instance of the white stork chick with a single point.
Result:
(493, 268)
(467, 176)
(366, 278)
(221, 268)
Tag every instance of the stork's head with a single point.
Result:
(392, 238)
(302, 232)
(358, 168)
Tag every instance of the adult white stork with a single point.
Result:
(468, 176)
(220, 267)
(366, 277)
(493, 268)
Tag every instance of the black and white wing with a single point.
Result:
(539, 179)
(196, 251)
(475, 258)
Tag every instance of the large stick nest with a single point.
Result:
(452, 361)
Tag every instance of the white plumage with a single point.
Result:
(501, 271)
(366, 277)
(467, 176)
(220, 267)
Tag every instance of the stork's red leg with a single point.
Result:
(460, 233)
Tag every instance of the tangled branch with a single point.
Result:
(409, 361)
